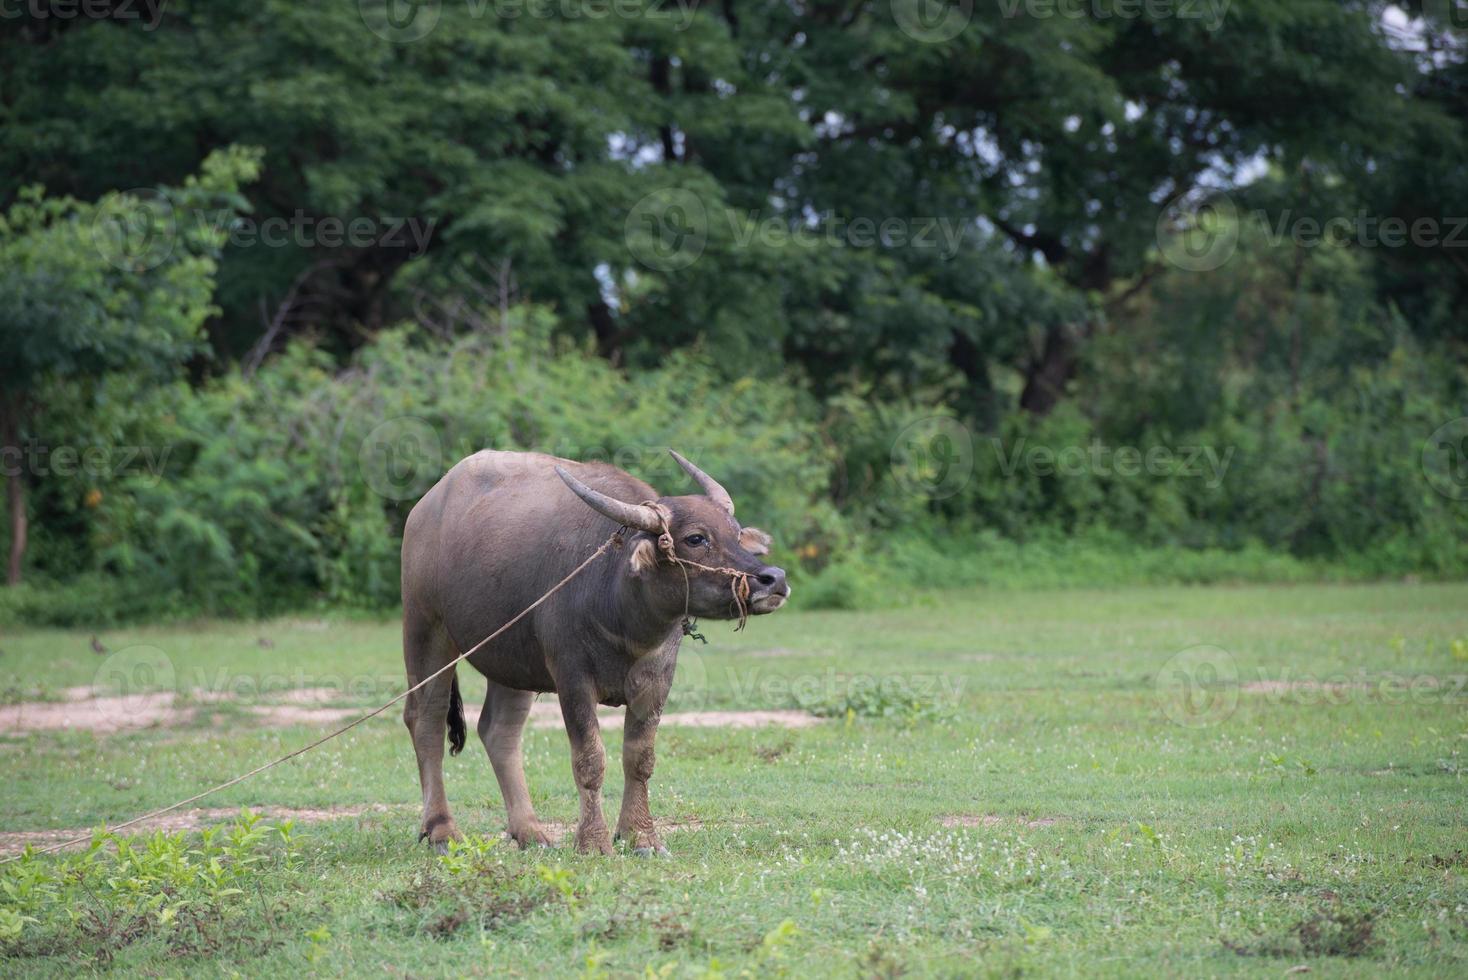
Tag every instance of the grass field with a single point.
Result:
(1134, 782)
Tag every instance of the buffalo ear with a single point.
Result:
(754, 541)
(644, 556)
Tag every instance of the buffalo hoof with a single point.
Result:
(438, 831)
(646, 852)
(531, 837)
(594, 842)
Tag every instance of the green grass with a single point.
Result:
(1120, 825)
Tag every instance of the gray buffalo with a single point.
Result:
(494, 535)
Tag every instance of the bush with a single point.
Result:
(166, 887)
(289, 488)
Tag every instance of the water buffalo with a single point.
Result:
(494, 535)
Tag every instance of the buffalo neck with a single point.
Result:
(636, 613)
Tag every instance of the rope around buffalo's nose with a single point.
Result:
(614, 540)
(738, 581)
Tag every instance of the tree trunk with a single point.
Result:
(1048, 374)
(14, 484)
(978, 400)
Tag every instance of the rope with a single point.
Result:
(738, 581)
(614, 539)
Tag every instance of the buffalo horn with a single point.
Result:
(710, 486)
(640, 516)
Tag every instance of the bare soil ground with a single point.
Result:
(82, 710)
(15, 841)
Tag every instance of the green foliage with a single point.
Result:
(290, 486)
(888, 698)
(1026, 305)
(476, 886)
(192, 895)
(530, 141)
(274, 489)
(122, 284)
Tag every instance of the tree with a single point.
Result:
(1053, 135)
(123, 284)
(1067, 127)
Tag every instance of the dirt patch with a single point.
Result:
(994, 820)
(79, 710)
(783, 718)
(1333, 931)
(286, 715)
(308, 695)
(547, 714)
(309, 625)
(15, 841)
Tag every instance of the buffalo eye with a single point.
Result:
(695, 541)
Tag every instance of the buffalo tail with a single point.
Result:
(457, 729)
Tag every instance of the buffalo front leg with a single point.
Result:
(635, 825)
(501, 728)
(589, 765)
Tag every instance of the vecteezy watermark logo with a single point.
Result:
(1202, 237)
(942, 235)
(690, 691)
(411, 234)
(1447, 13)
(150, 12)
(668, 229)
(1445, 459)
(126, 676)
(399, 21)
(1199, 686)
(1198, 237)
(632, 10)
(932, 21)
(401, 457)
(1210, 12)
(1097, 459)
(144, 463)
(1361, 230)
(134, 230)
(933, 457)
(137, 230)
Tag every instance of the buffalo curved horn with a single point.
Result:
(640, 516)
(710, 486)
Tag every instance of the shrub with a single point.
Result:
(289, 487)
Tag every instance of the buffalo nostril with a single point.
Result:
(772, 578)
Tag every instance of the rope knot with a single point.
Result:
(739, 588)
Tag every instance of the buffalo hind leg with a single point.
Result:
(588, 764)
(501, 725)
(426, 712)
